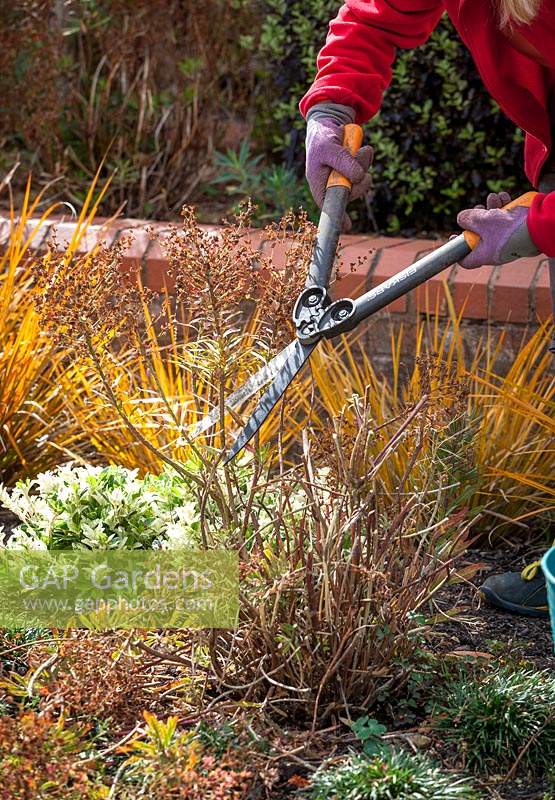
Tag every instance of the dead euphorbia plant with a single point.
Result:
(167, 359)
(162, 361)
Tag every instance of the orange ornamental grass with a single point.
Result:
(498, 452)
(33, 424)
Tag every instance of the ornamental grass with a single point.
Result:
(505, 418)
(500, 721)
(34, 426)
(396, 775)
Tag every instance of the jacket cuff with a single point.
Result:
(342, 114)
(342, 96)
(541, 223)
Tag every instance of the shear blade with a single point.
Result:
(264, 375)
(298, 356)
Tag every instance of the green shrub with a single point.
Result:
(495, 719)
(441, 142)
(101, 508)
(393, 776)
(293, 32)
(109, 508)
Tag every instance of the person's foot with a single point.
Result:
(522, 593)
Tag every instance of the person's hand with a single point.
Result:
(504, 235)
(325, 151)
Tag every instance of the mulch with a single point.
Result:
(484, 629)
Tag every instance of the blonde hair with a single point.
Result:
(521, 12)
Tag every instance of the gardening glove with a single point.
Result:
(504, 235)
(325, 151)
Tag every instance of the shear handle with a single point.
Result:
(333, 210)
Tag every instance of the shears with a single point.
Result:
(316, 316)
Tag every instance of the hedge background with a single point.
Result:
(197, 102)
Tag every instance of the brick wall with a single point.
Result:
(514, 297)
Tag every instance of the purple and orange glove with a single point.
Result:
(504, 235)
(325, 151)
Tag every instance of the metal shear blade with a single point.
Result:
(298, 356)
(256, 382)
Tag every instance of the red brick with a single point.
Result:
(355, 259)
(511, 290)
(393, 260)
(215, 229)
(276, 251)
(353, 264)
(514, 293)
(349, 283)
(542, 293)
(31, 227)
(470, 291)
(155, 267)
(133, 256)
(62, 233)
(371, 243)
(256, 238)
(39, 232)
(119, 225)
(432, 295)
(155, 272)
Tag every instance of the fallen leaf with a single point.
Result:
(470, 654)
(298, 781)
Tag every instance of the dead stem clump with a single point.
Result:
(330, 605)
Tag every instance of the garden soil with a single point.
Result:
(502, 635)
(490, 630)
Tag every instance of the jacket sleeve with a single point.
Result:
(354, 66)
(541, 223)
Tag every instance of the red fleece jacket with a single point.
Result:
(354, 68)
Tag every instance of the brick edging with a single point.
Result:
(517, 292)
